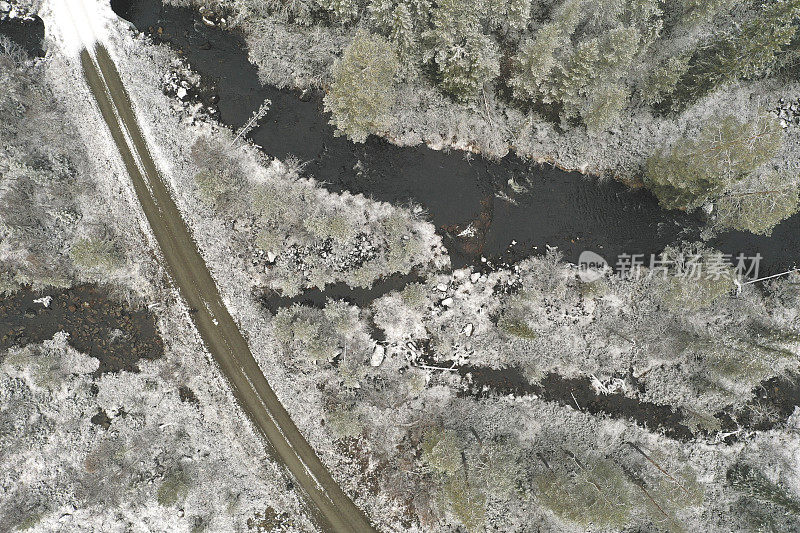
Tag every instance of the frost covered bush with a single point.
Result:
(11, 54)
(700, 277)
(48, 192)
(159, 461)
(219, 180)
(468, 474)
(331, 337)
(313, 237)
(346, 423)
(8, 285)
(304, 329)
(95, 253)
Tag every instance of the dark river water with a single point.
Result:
(29, 34)
(556, 208)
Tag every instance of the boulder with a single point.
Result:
(378, 354)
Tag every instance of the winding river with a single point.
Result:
(546, 206)
(553, 207)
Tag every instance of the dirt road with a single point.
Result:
(330, 507)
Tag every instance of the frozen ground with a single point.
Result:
(367, 422)
(400, 438)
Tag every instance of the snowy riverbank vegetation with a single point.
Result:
(611, 87)
(387, 392)
(161, 447)
(48, 201)
(434, 406)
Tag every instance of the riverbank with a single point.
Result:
(531, 205)
(513, 389)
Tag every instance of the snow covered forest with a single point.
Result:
(512, 398)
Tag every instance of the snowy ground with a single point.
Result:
(369, 424)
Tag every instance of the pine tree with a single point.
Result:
(536, 61)
(362, 89)
(441, 450)
(761, 208)
(663, 80)
(585, 74)
(464, 57)
(752, 50)
(342, 11)
(604, 106)
(695, 170)
(508, 15)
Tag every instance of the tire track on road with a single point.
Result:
(330, 506)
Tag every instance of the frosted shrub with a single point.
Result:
(334, 335)
(699, 277)
(219, 180)
(301, 328)
(173, 488)
(441, 450)
(591, 492)
(95, 253)
(11, 52)
(336, 226)
(8, 284)
(345, 423)
(468, 505)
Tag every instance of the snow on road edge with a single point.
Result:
(76, 24)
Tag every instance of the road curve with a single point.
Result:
(329, 506)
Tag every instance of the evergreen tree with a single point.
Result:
(753, 49)
(663, 80)
(342, 11)
(400, 21)
(695, 170)
(508, 15)
(441, 450)
(759, 210)
(464, 58)
(362, 89)
(585, 74)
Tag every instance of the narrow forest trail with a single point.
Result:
(329, 505)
